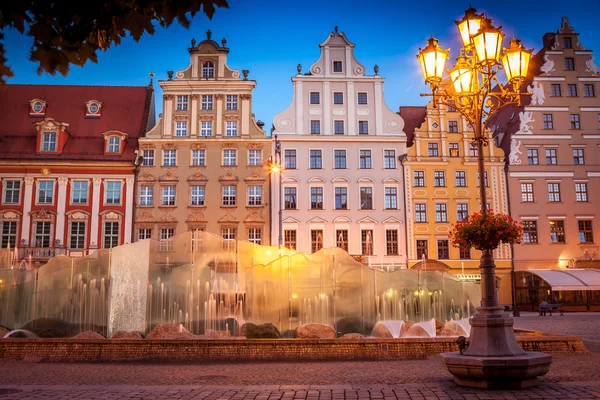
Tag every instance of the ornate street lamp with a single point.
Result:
(493, 357)
(276, 168)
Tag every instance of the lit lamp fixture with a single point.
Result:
(276, 168)
(493, 358)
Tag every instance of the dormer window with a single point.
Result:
(37, 107)
(115, 142)
(113, 145)
(208, 70)
(49, 141)
(93, 108)
(337, 66)
(567, 43)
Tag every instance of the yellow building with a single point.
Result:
(441, 180)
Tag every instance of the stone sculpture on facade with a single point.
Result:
(591, 66)
(537, 93)
(525, 119)
(548, 65)
(515, 150)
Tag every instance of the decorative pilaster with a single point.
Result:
(60, 210)
(129, 182)
(326, 110)
(95, 211)
(28, 199)
(219, 124)
(168, 114)
(193, 128)
(299, 104)
(246, 111)
(351, 129)
(378, 108)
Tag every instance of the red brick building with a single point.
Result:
(67, 166)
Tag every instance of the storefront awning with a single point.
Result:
(570, 279)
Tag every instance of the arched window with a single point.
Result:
(208, 70)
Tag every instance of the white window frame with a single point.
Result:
(105, 236)
(75, 190)
(172, 157)
(181, 128)
(198, 195)
(146, 195)
(182, 102)
(144, 233)
(80, 236)
(206, 128)
(108, 183)
(393, 196)
(254, 157)
(231, 128)
(255, 195)
(148, 158)
(229, 195)
(387, 165)
(231, 102)
(12, 190)
(229, 157)
(10, 235)
(207, 102)
(51, 144)
(38, 188)
(198, 157)
(113, 144)
(168, 195)
(208, 69)
(255, 235)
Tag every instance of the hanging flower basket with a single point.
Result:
(486, 232)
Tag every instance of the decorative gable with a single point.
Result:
(37, 107)
(290, 220)
(316, 220)
(114, 142)
(391, 220)
(367, 220)
(51, 136)
(93, 109)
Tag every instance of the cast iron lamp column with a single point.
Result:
(276, 167)
(493, 358)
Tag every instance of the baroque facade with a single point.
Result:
(67, 166)
(340, 144)
(442, 181)
(204, 165)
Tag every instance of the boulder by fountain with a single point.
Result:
(389, 329)
(262, 331)
(315, 331)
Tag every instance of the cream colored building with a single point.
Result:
(205, 160)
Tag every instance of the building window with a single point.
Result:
(554, 192)
(365, 159)
(166, 243)
(316, 240)
(231, 128)
(9, 234)
(228, 195)
(208, 70)
(548, 123)
(341, 198)
(460, 178)
(420, 212)
(169, 158)
(289, 198)
(419, 178)
(473, 150)
(338, 127)
(42, 234)
(439, 178)
(206, 128)
(578, 158)
(391, 242)
(462, 211)
(290, 159)
(77, 235)
(197, 195)
(391, 198)
(146, 195)
(571, 90)
(144, 233)
(389, 159)
(586, 235)
(551, 157)
(557, 231)
(362, 98)
(441, 212)
(527, 192)
(453, 126)
(339, 157)
(575, 124)
(79, 193)
(315, 127)
(366, 237)
(581, 192)
(181, 128)
(113, 145)
(588, 90)
(315, 98)
(316, 160)
(231, 102)
(366, 198)
(337, 66)
(569, 64)
(199, 158)
(443, 250)
(363, 127)
(316, 198)
(289, 239)
(453, 147)
(112, 192)
(255, 235)
(485, 179)
(49, 142)
(45, 192)
(567, 44)
(182, 103)
(338, 98)
(229, 157)
(341, 239)
(464, 253)
(432, 150)
(111, 234)
(530, 232)
(254, 157)
(207, 102)
(168, 196)
(555, 90)
(12, 192)
(254, 195)
(228, 235)
(532, 157)
(422, 249)
(148, 158)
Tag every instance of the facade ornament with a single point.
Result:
(145, 216)
(10, 215)
(205, 117)
(515, 150)
(29, 180)
(97, 181)
(376, 69)
(555, 44)
(228, 218)
(224, 43)
(146, 178)
(336, 29)
(254, 177)
(111, 215)
(245, 96)
(208, 35)
(219, 96)
(198, 146)
(168, 97)
(148, 146)
(168, 177)
(255, 146)
(537, 93)
(565, 27)
(169, 146)
(129, 180)
(197, 177)
(170, 75)
(195, 97)
(42, 214)
(228, 177)
(591, 66)
(167, 218)
(548, 65)
(525, 119)
(78, 215)
(230, 117)
(245, 72)
(193, 42)
(254, 217)
(299, 68)
(229, 146)
(196, 217)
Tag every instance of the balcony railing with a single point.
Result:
(41, 253)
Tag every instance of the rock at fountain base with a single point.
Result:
(170, 332)
(263, 331)
(315, 331)
(515, 372)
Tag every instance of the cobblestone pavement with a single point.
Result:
(576, 377)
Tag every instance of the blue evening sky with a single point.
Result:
(271, 37)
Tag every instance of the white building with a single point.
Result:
(342, 180)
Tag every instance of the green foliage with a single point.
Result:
(486, 232)
(71, 32)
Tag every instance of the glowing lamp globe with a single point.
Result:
(462, 76)
(488, 43)
(469, 25)
(433, 59)
(515, 61)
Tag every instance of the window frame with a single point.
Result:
(14, 192)
(148, 155)
(181, 102)
(168, 196)
(146, 196)
(198, 195)
(198, 157)
(231, 102)
(75, 190)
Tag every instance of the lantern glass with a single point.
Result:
(515, 61)
(432, 59)
(469, 25)
(461, 76)
(488, 43)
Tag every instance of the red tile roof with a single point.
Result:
(124, 108)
